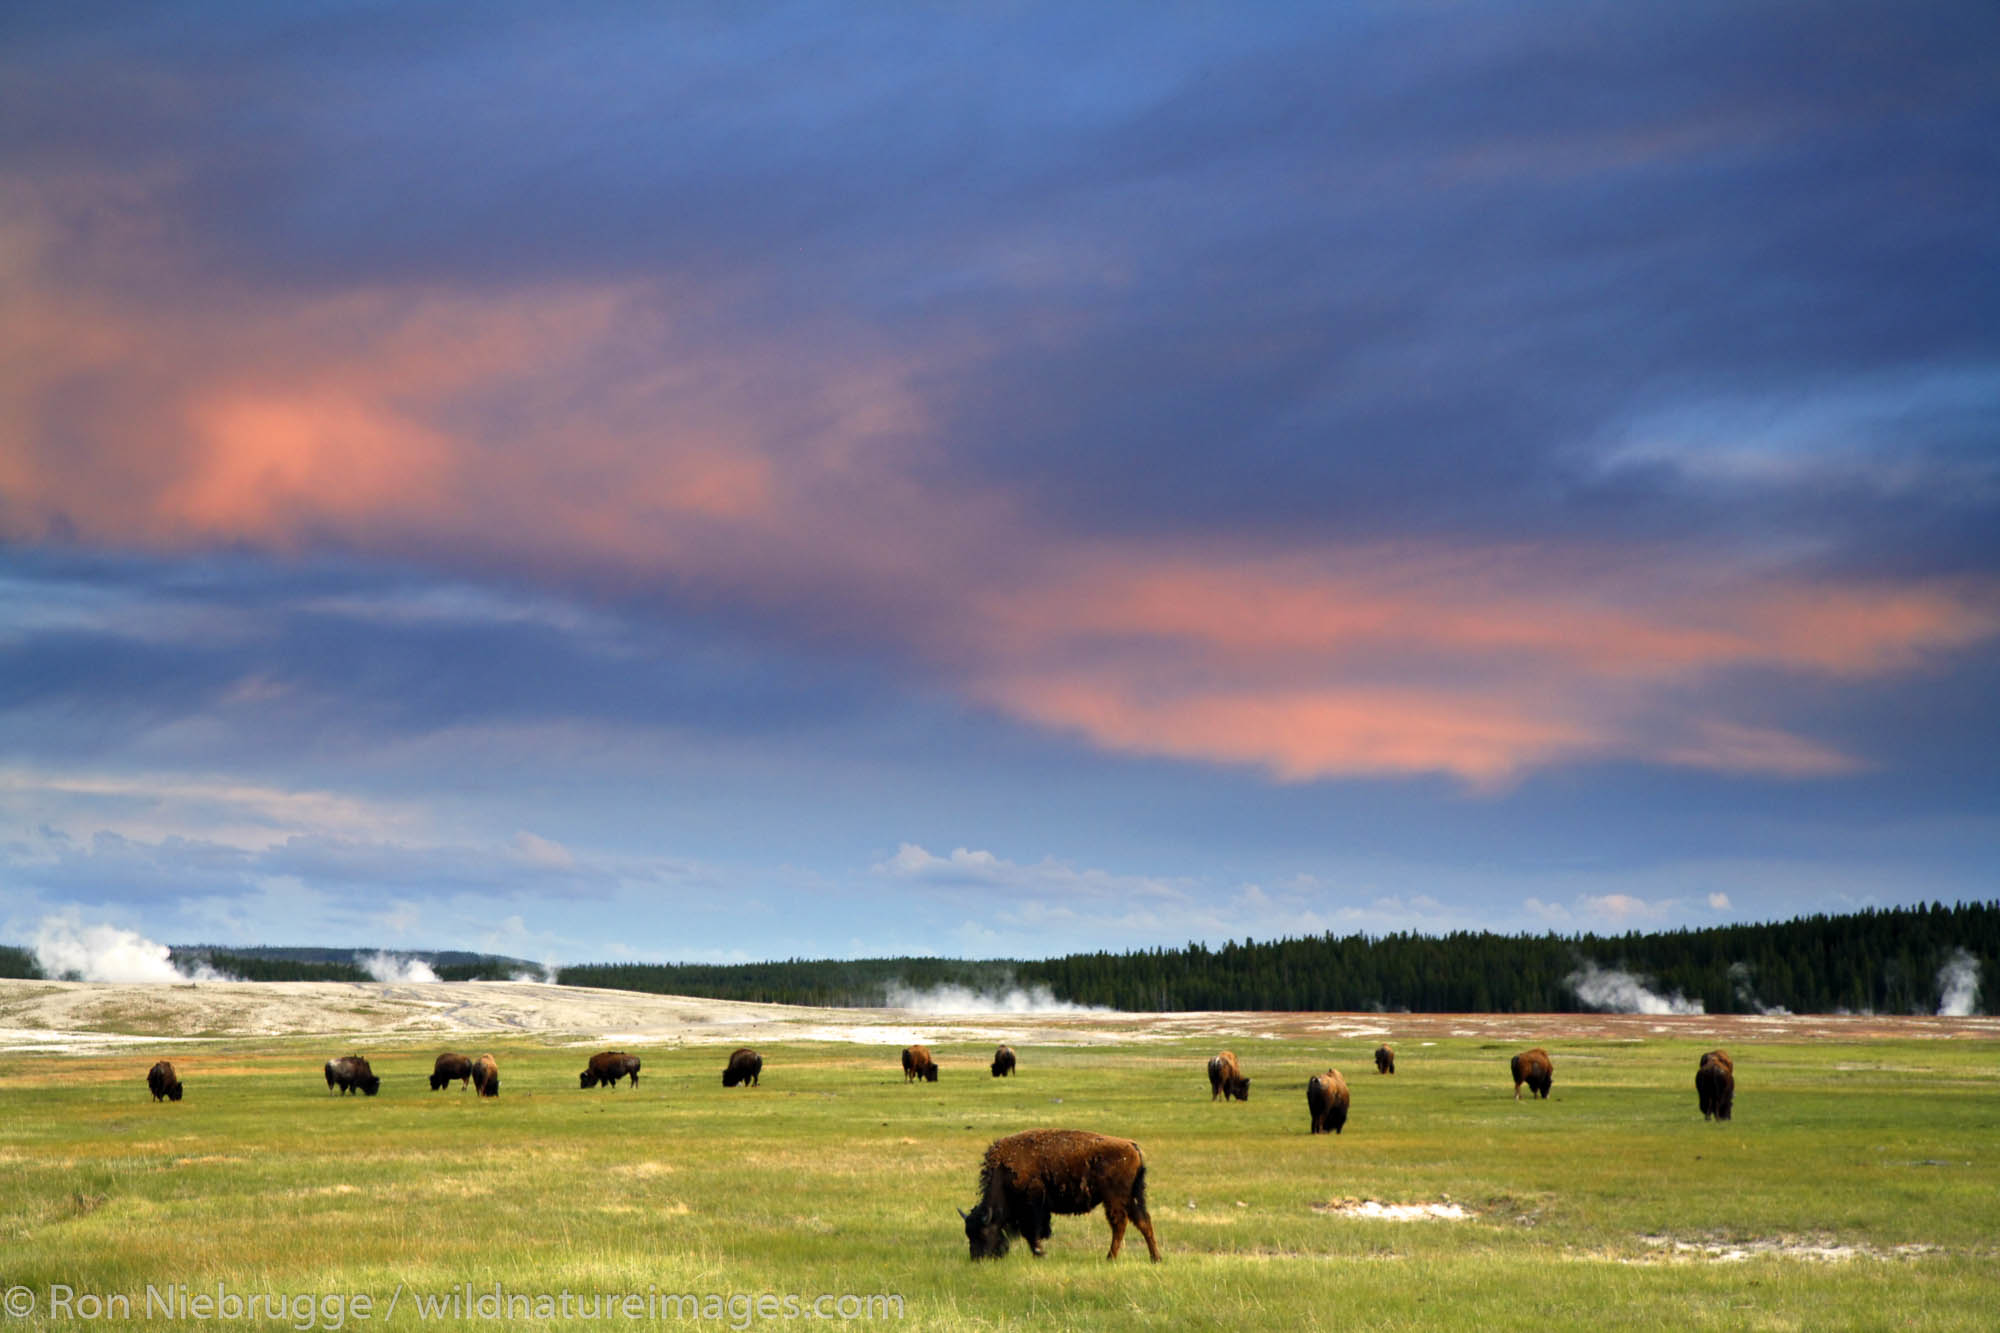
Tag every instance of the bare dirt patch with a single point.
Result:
(1442, 1210)
(1820, 1249)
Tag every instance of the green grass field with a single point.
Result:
(834, 1177)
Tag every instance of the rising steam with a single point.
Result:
(948, 1000)
(67, 949)
(1958, 985)
(399, 969)
(1610, 991)
(1746, 993)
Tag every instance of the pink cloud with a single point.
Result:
(592, 436)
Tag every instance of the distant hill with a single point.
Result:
(434, 957)
(265, 963)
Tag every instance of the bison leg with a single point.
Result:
(1038, 1226)
(1140, 1216)
(1116, 1217)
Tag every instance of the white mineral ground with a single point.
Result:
(71, 1016)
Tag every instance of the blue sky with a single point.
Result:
(728, 484)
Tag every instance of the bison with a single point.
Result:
(1027, 1177)
(917, 1064)
(1535, 1069)
(452, 1065)
(1385, 1059)
(1003, 1062)
(164, 1082)
(1715, 1085)
(745, 1067)
(350, 1072)
(1225, 1079)
(486, 1076)
(607, 1067)
(1326, 1099)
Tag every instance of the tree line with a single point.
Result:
(1884, 960)
(1899, 960)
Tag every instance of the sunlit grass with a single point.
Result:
(835, 1176)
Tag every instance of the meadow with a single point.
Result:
(1857, 1187)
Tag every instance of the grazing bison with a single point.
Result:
(917, 1064)
(1715, 1085)
(164, 1082)
(1027, 1177)
(1535, 1069)
(486, 1076)
(350, 1072)
(1003, 1062)
(452, 1065)
(1326, 1098)
(1385, 1059)
(1225, 1079)
(745, 1067)
(607, 1067)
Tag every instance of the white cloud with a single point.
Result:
(1719, 902)
(539, 851)
(969, 868)
(1620, 907)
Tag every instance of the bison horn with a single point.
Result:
(964, 1216)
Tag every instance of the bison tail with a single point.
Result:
(1137, 1208)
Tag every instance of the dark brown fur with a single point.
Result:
(351, 1073)
(452, 1065)
(1385, 1060)
(1535, 1069)
(917, 1064)
(486, 1076)
(1003, 1062)
(1715, 1085)
(745, 1067)
(1028, 1177)
(607, 1067)
(164, 1082)
(1326, 1099)
(1226, 1080)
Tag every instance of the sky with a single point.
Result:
(731, 482)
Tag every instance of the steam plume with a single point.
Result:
(949, 999)
(392, 968)
(1958, 985)
(66, 948)
(1746, 994)
(1615, 992)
